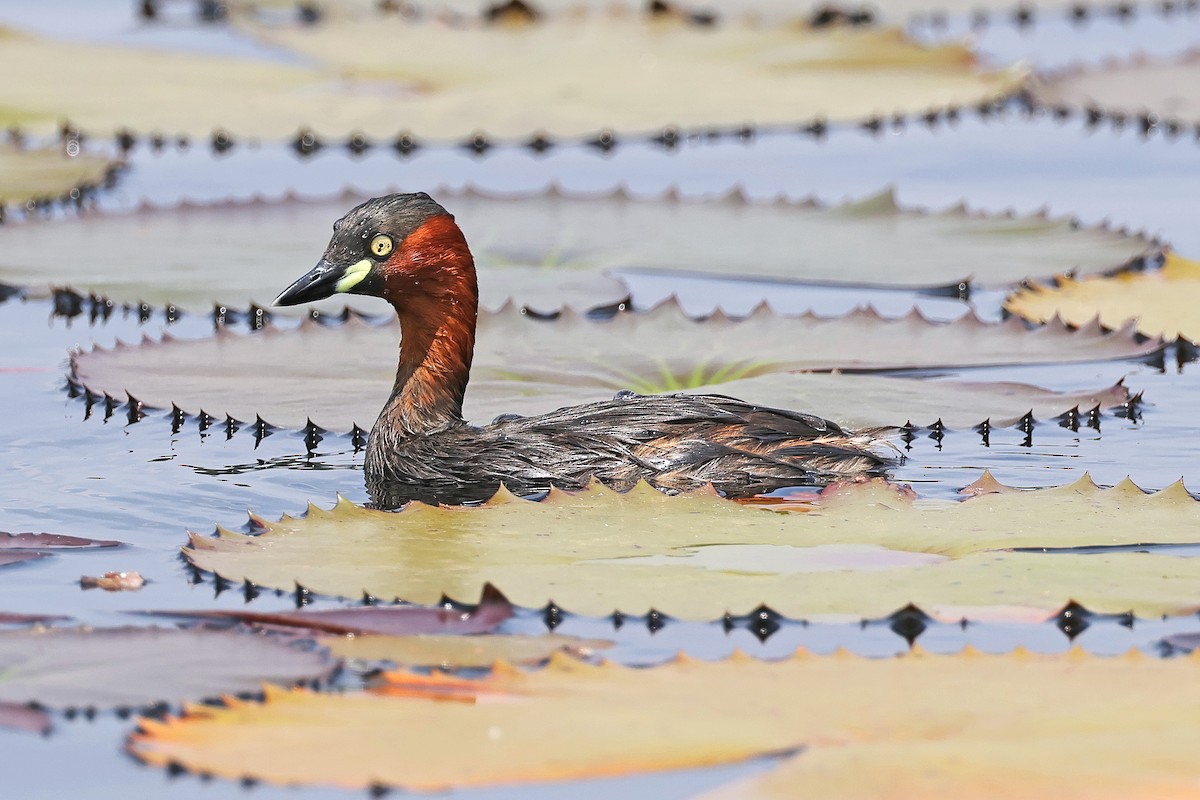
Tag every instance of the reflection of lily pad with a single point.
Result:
(113, 667)
(610, 551)
(1166, 89)
(1164, 302)
(385, 74)
(548, 250)
(340, 375)
(963, 726)
(46, 173)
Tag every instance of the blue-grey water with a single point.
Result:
(143, 485)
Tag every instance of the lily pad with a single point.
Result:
(547, 250)
(20, 557)
(1167, 89)
(46, 172)
(238, 254)
(1163, 302)
(340, 375)
(18, 548)
(51, 541)
(14, 716)
(642, 550)
(461, 651)
(964, 726)
(493, 609)
(384, 74)
(7, 618)
(124, 667)
(669, 73)
(699, 12)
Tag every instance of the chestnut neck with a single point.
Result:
(433, 288)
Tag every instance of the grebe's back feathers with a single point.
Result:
(675, 442)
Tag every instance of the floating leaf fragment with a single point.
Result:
(1163, 302)
(384, 74)
(550, 249)
(340, 375)
(698, 556)
(461, 651)
(133, 667)
(964, 726)
(32, 174)
(114, 581)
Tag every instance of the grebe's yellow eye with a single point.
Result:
(381, 245)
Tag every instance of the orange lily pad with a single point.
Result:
(1162, 303)
(967, 725)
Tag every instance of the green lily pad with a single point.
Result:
(46, 172)
(600, 551)
(965, 726)
(133, 667)
(383, 74)
(547, 250)
(340, 375)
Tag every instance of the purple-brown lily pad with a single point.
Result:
(18, 548)
(134, 667)
(51, 541)
(29, 619)
(19, 717)
(19, 557)
(493, 609)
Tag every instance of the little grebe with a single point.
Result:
(407, 249)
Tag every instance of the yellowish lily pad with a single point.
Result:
(693, 555)
(1163, 303)
(963, 726)
(383, 74)
(46, 172)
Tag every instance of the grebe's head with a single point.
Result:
(397, 247)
